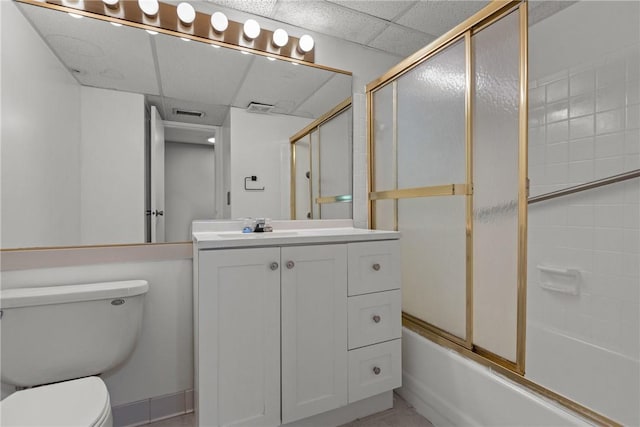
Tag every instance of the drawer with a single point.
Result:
(374, 266)
(374, 318)
(374, 370)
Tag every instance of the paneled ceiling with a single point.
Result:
(398, 27)
(174, 74)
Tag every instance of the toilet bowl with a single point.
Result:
(62, 337)
(83, 402)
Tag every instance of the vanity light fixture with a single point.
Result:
(280, 38)
(111, 4)
(179, 18)
(251, 29)
(212, 140)
(149, 7)
(186, 13)
(305, 44)
(219, 22)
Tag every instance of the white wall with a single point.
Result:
(189, 186)
(255, 150)
(40, 140)
(162, 361)
(112, 164)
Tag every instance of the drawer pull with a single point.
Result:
(274, 266)
(376, 266)
(376, 370)
(290, 264)
(376, 318)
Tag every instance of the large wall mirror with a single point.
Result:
(107, 130)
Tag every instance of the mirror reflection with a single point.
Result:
(113, 135)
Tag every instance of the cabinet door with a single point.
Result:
(314, 330)
(238, 354)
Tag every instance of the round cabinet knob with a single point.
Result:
(290, 264)
(274, 266)
(376, 266)
(376, 318)
(376, 370)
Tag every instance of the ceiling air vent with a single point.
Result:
(190, 113)
(256, 107)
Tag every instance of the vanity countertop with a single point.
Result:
(227, 234)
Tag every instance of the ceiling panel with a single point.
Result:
(100, 54)
(437, 17)
(198, 71)
(256, 7)
(326, 98)
(280, 83)
(214, 115)
(384, 9)
(402, 40)
(331, 19)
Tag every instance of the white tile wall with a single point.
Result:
(584, 125)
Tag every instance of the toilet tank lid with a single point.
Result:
(26, 297)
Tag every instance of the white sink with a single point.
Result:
(240, 235)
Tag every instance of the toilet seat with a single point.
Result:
(83, 402)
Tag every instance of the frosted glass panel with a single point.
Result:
(431, 121)
(383, 139)
(495, 186)
(433, 248)
(303, 201)
(342, 210)
(384, 211)
(315, 174)
(335, 156)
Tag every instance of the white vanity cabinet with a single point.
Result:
(292, 326)
(314, 336)
(238, 372)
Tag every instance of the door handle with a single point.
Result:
(157, 213)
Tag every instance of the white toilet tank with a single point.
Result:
(56, 333)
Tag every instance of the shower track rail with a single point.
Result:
(586, 186)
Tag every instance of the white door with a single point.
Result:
(239, 333)
(157, 177)
(314, 330)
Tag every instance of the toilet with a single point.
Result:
(56, 340)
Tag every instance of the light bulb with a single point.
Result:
(306, 43)
(111, 3)
(251, 29)
(186, 13)
(280, 38)
(219, 22)
(149, 7)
